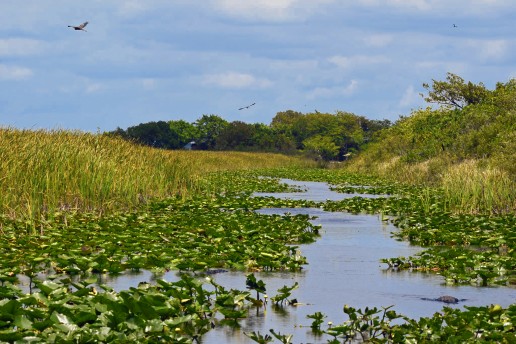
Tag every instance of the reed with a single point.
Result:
(46, 172)
(472, 188)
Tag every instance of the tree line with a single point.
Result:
(321, 135)
(334, 136)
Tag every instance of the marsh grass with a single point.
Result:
(475, 189)
(471, 186)
(45, 173)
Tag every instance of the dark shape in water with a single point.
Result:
(445, 299)
(215, 271)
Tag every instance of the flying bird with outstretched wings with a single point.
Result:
(247, 107)
(79, 27)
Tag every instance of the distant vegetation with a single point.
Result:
(467, 146)
(321, 135)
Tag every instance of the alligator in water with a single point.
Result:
(445, 299)
(215, 271)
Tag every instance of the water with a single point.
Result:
(313, 191)
(343, 268)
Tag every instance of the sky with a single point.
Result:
(162, 60)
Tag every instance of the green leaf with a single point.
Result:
(22, 322)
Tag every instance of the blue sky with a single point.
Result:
(151, 60)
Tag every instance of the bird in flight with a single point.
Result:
(79, 27)
(247, 107)
(455, 25)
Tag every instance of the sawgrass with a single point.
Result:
(44, 172)
(472, 188)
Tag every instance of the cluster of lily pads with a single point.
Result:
(384, 325)
(223, 230)
(473, 249)
(168, 235)
(63, 311)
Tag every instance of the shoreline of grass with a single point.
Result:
(45, 172)
(470, 186)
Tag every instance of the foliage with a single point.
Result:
(53, 174)
(236, 136)
(454, 148)
(209, 127)
(258, 285)
(331, 136)
(66, 311)
(221, 229)
(172, 234)
(318, 319)
(464, 249)
(153, 134)
(487, 324)
(322, 147)
(283, 294)
(455, 92)
(183, 132)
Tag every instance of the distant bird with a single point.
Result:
(455, 25)
(79, 27)
(247, 107)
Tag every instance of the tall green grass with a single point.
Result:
(471, 188)
(45, 172)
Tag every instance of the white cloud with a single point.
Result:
(416, 4)
(490, 49)
(149, 83)
(328, 92)
(235, 80)
(378, 40)
(270, 10)
(438, 68)
(357, 60)
(19, 46)
(410, 97)
(130, 8)
(92, 88)
(14, 72)
(466, 7)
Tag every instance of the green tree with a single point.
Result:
(454, 92)
(283, 125)
(209, 127)
(236, 135)
(184, 132)
(154, 134)
(119, 132)
(285, 119)
(264, 137)
(321, 146)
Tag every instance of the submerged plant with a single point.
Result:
(284, 293)
(258, 285)
(318, 319)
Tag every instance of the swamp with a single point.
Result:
(288, 255)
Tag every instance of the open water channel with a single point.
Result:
(343, 268)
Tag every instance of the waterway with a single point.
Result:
(344, 268)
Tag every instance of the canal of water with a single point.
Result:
(343, 268)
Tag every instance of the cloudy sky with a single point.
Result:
(151, 60)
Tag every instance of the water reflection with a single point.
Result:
(314, 191)
(343, 269)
